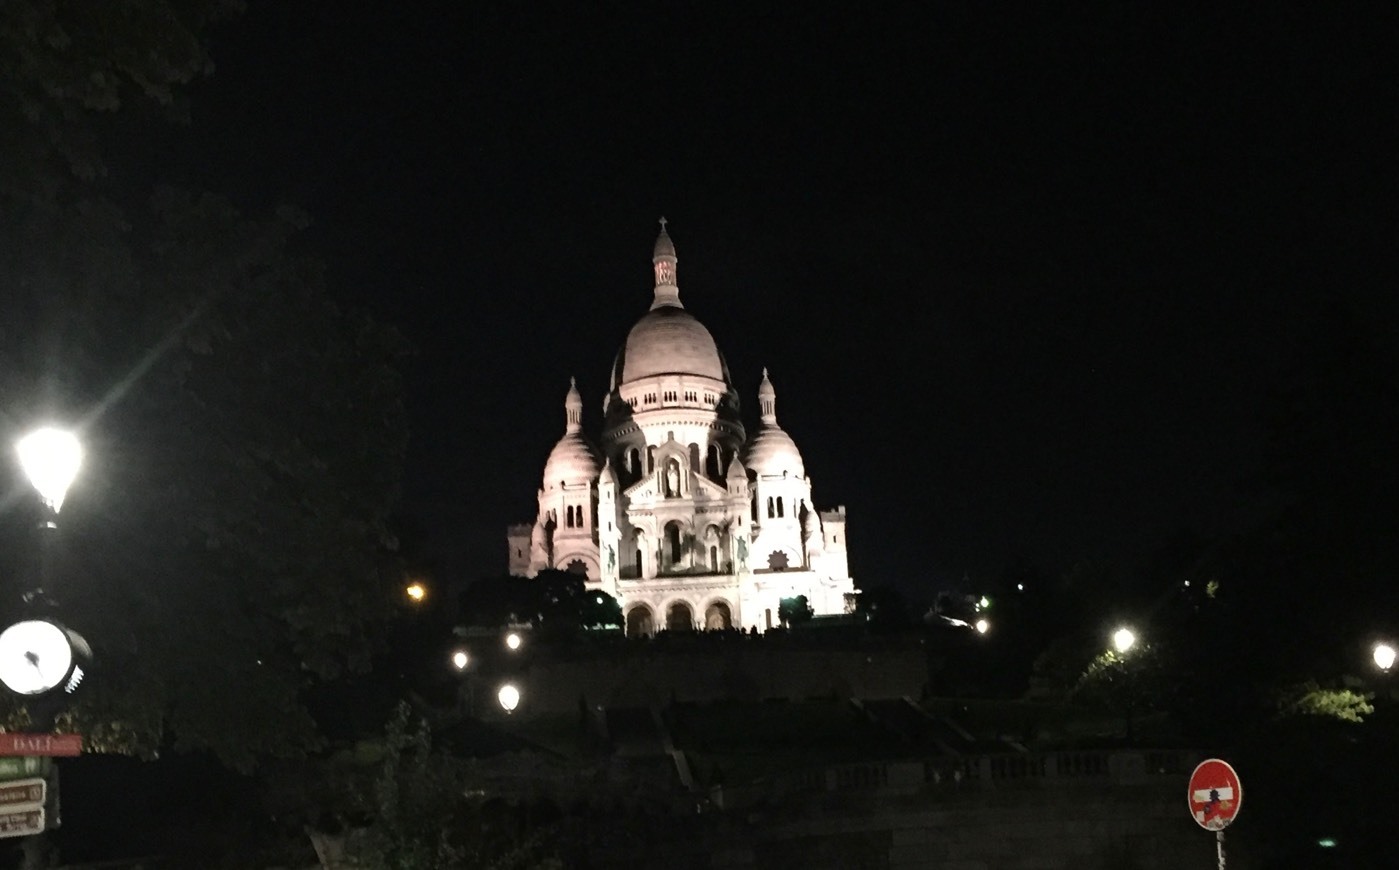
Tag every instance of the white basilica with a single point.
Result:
(682, 517)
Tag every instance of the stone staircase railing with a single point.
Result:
(970, 773)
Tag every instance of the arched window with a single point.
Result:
(772, 511)
(634, 460)
(568, 516)
(650, 459)
(712, 461)
(714, 559)
(779, 505)
(755, 508)
(695, 457)
(672, 541)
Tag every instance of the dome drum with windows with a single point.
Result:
(681, 516)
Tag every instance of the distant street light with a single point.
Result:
(1123, 640)
(50, 458)
(416, 592)
(512, 640)
(982, 626)
(1384, 656)
(460, 659)
(509, 698)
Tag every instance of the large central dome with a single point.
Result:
(667, 340)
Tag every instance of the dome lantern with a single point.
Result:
(663, 259)
(573, 408)
(767, 400)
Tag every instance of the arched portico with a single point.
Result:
(679, 617)
(641, 622)
(718, 616)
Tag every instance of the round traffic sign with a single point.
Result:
(1214, 794)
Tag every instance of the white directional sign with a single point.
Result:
(22, 824)
(22, 794)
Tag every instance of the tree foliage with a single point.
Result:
(399, 803)
(1308, 698)
(794, 611)
(69, 67)
(554, 601)
(228, 540)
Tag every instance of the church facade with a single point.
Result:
(676, 511)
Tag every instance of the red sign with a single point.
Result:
(1214, 794)
(14, 743)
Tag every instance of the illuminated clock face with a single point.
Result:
(35, 656)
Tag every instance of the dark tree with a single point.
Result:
(883, 605)
(227, 542)
(794, 611)
(599, 610)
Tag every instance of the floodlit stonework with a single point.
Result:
(681, 515)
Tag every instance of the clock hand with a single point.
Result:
(32, 658)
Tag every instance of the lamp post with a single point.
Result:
(50, 458)
(1123, 641)
(461, 661)
(40, 659)
(38, 655)
(513, 641)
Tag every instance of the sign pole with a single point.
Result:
(1213, 797)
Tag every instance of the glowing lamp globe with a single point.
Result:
(509, 698)
(1384, 656)
(513, 641)
(50, 458)
(460, 660)
(1123, 639)
(416, 592)
(982, 626)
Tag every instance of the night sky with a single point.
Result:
(1022, 275)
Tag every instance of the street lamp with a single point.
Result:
(50, 458)
(416, 592)
(1384, 656)
(509, 698)
(1123, 640)
(460, 659)
(513, 641)
(983, 626)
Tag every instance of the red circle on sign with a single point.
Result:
(1214, 794)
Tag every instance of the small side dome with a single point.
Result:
(772, 452)
(573, 461)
